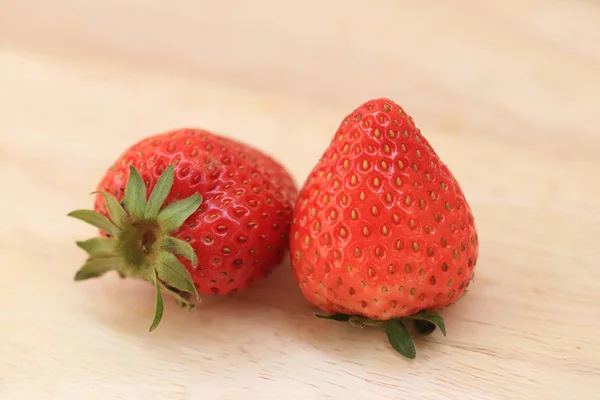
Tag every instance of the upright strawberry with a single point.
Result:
(381, 231)
(192, 213)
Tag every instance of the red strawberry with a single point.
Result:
(381, 231)
(204, 214)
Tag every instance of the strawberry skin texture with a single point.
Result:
(240, 231)
(381, 228)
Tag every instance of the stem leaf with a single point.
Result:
(174, 215)
(95, 267)
(160, 192)
(96, 219)
(182, 298)
(158, 313)
(180, 247)
(334, 317)
(100, 246)
(430, 318)
(424, 327)
(135, 195)
(400, 339)
(116, 212)
(173, 273)
(361, 322)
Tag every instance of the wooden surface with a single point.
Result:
(507, 93)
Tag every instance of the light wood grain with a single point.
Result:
(506, 92)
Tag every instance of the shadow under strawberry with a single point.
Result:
(125, 304)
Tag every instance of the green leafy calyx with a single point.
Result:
(398, 335)
(140, 244)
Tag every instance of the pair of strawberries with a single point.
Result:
(379, 234)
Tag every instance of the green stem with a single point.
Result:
(397, 333)
(141, 245)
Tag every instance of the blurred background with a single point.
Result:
(507, 92)
(461, 67)
(288, 71)
(500, 88)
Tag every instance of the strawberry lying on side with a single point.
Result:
(192, 213)
(381, 231)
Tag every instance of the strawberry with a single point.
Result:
(382, 232)
(190, 212)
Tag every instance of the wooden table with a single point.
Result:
(507, 92)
